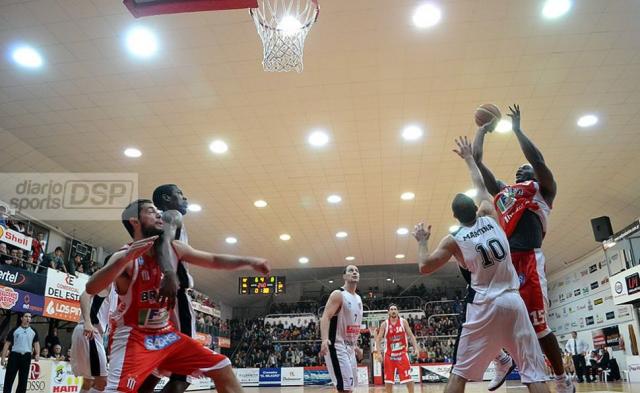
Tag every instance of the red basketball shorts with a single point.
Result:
(393, 362)
(135, 354)
(533, 287)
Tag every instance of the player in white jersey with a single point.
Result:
(340, 328)
(497, 316)
(170, 197)
(88, 357)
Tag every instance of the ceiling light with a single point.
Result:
(503, 126)
(412, 133)
(231, 240)
(334, 198)
(587, 121)
(194, 207)
(426, 15)
(260, 203)
(472, 193)
(142, 42)
(407, 196)
(132, 152)
(555, 8)
(350, 258)
(285, 237)
(388, 278)
(454, 228)
(341, 234)
(330, 281)
(318, 138)
(402, 231)
(218, 147)
(289, 25)
(399, 256)
(27, 56)
(303, 260)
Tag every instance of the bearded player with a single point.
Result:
(143, 337)
(496, 316)
(523, 210)
(395, 331)
(340, 329)
(170, 197)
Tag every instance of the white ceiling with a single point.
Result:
(368, 73)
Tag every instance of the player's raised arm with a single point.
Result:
(117, 265)
(493, 185)
(548, 187)
(219, 261)
(429, 263)
(483, 198)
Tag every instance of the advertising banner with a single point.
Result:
(65, 286)
(270, 376)
(248, 376)
(14, 277)
(292, 376)
(61, 309)
(15, 238)
(316, 376)
(202, 383)
(62, 378)
(363, 376)
(204, 339)
(21, 301)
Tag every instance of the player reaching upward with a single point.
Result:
(496, 317)
(523, 210)
(143, 338)
(340, 329)
(395, 331)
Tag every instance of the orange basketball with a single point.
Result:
(485, 113)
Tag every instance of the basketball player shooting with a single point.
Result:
(523, 210)
(340, 329)
(143, 338)
(395, 331)
(496, 316)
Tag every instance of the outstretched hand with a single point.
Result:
(489, 127)
(464, 149)
(420, 233)
(515, 117)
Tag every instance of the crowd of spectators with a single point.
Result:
(35, 260)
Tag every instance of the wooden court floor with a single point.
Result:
(476, 387)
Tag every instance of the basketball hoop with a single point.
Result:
(283, 26)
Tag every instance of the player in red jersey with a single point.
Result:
(395, 331)
(523, 210)
(143, 337)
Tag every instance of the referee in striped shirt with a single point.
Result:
(23, 340)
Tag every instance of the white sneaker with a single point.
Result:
(502, 371)
(565, 385)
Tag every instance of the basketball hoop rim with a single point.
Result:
(306, 26)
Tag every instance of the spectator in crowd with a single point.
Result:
(68, 355)
(44, 353)
(5, 257)
(55, 260)
(14, 257)
(70, 265)
(36, 247)
(3, 216)
(52, 339)
(80, 268)
(57, 353)
(16, 225)
(91, 268)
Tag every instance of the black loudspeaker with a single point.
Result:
(601, 228)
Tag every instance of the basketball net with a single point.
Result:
(283, 26)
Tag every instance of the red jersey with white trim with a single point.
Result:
(396, 338)
(512, 201)
(139, 307)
